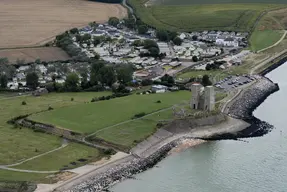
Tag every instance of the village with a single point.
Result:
(118, 45)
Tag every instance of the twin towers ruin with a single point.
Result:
(203, 98)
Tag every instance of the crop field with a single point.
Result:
(19, 144)
(34, 22)
(199, 16)
(89, 118)
(31, 54)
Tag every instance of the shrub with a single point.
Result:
(24, 103)
(72, 99)
(109, 151)
(50, 108)
(139, 115)
(158, 101)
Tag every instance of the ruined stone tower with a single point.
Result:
(209, 98)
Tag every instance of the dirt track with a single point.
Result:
(34, 22)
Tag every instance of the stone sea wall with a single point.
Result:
(241, 108)
(244, 105)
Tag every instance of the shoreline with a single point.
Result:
(241, 107)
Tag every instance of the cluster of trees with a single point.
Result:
(65, 42)
(114, 21)
(100, 74)
(164, 35)
(206, 81)
(214, 65)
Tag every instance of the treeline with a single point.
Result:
(108, 1)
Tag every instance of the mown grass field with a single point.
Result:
(131, 133)
(269, 30)
(19, 144)
(196, 16)
(263, 39)
(67, 157)
(88, 118)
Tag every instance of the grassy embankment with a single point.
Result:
(269, 30)
(99, 116)
(19, 144)
(197, 17)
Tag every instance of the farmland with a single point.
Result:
(34, 22)
(19, 144)
(31, 54)
(195, 16)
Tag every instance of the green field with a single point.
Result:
(197, 16)
(62, 158)
(88, 118)
(263, 39)
(191, 2)
(19, 144)
(131, 133)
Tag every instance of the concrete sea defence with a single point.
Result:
(243, 106)
(156, 147)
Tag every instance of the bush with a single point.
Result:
(158, 101)
(109, 151)
(50, 108)
(72, 99)
(24, 103)
(139, 115)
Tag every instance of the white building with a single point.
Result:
(159, 88)
(227, 42)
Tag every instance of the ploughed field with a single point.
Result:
(31, 54)
(34, 22)
(203, 15)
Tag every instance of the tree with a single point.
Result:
(142, 29)
(4, 61)
(107, 75)
(194, 58)
(177, 41)
(167, 79)
(148, 43)
(96, 65)
(208, 67)
(93, 25)
(38, 61)
(138, 43)
(162, 35)
(205, 81)
(74, 31)
(72, 82)
(125, 74)
(130, 23)
(3, 81)
(84, 80)
(154, 51)
(86, 37)
(32, 80)
(114, 21)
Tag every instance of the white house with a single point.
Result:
(159, 88)
(227, 42)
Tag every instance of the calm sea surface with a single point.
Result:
(257, 165)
